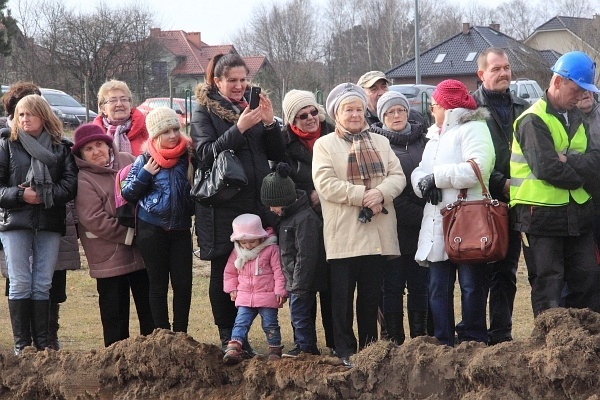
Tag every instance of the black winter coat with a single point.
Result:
(502, 141)
(409, 207)
(303, 260)
(214, 129)
(299, 157)
(15, 213)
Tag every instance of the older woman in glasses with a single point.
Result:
(407, 139)
(305, 123)
(121, 121)
(460, 133)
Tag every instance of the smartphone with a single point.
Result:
(254, 97)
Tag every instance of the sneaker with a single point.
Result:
(293, 353)
(233, 353)
(346, 362)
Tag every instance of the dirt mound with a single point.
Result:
(559, 361)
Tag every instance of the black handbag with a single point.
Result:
(221, 182)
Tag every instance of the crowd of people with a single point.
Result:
(342, 208)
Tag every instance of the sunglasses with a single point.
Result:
(302, 117)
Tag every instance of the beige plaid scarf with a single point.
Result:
(364, 162)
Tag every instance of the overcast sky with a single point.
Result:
(217, 21)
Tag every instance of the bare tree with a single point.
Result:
(288, 35)
(518, 18)
(574, 8)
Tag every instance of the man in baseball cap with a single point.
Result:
(375, 85)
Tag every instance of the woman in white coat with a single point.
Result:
(460, 133)
(356, 175)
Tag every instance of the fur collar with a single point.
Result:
(215, 103)
(459, 116)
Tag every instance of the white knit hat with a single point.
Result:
(160, 119)
(296, 100)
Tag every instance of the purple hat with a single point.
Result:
(87, 133)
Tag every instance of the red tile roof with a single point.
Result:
(193, 59)
(254, 63)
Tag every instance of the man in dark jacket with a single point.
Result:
(493, 69)
(552, 159)
(375, 85)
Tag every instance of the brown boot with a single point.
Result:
(233, 353)
(275, 352)
(53, 326)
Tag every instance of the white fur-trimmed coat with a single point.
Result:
(463, 136)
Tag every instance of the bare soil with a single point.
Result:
(559, 361)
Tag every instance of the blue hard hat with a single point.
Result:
(578, 67)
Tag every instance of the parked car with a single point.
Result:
(178, 106)
(418, 96)
(66, 108)
(527, 89)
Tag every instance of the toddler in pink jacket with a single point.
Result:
(254, 280)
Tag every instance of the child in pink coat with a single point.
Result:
(254, 280)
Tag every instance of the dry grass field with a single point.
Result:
(81, 328)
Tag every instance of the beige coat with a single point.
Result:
(341, 201)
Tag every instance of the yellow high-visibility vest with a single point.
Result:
(525, 188)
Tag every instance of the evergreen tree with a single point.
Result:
(8, 25)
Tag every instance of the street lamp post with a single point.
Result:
(417, 51)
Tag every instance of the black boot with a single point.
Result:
(395, 327)
(40, 312)
(417, 322)
(225, 337)
(53, 326)
(247, 350)
(20, 315)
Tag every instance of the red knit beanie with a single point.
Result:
(453, 94)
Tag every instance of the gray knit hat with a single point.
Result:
(390, 99)
(340, 92)
(160, 119)
(278, 189)
(296, 100)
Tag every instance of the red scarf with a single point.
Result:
(167, 158)
(307, 139)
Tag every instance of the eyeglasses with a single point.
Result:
(302, 117)
(431, 106)
(114, 100)
(398, 111)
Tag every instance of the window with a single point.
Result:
(439, 58)
(471, 56)
(159, 69)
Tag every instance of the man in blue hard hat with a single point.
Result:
(552, 158)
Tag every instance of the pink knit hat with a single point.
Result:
(247, 227)
(453, 94)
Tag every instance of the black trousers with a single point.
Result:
(501, 282)
(167, 255)
(114, 305)
(554, 260)
(223, 309)
(365, 275)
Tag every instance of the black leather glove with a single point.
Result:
(435, 196)
(426, 184)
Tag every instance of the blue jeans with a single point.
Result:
(404, 273)
(270, 324)
(471, 278)
(31, 257)
(305, 335)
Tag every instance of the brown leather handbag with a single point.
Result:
(475, 231)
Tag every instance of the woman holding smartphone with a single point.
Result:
(224, 121)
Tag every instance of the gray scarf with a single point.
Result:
(38, 176)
